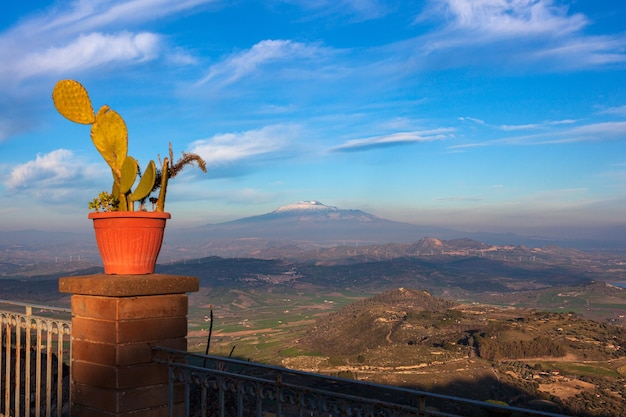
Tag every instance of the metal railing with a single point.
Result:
(35, 360)
(215, 386)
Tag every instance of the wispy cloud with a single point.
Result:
(530, 126)
(94, 15)
(473, 120)
(593, 132)
(227, 148)
(52, 176)
(51, 168)
(394, 139)
(519, 32)
(509, 18)
(618, 111)
(245, 63)
(84, 35)
(88, 51)
(359, 10)
(534, 126)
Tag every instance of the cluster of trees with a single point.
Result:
(494, 350)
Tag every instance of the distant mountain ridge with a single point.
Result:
(311, 206)
(320, 224)
(311, 220)
(312, 210)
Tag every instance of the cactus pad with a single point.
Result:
(129, 174)
(146, 183)
(165, 174)
(110, 136)
(72, 101)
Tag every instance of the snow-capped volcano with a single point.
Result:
(311, 205)
(314, 211)
(313, 221)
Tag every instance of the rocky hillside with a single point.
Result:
(369, 323)
(522, 357)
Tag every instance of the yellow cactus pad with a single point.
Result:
(110, 136)
(129, 174)
(72, 101)
(146, 183)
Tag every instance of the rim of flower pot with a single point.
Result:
(126, 214)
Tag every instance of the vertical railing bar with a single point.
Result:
(27, 372)
(170, 390)
(203, 397)
(187, 394)
(279, 395)
(38, 370)
(48, 369)
(221, 397)
(259, 400)
(9, 362)
(18, 364)
(59, 368)
(239, 390)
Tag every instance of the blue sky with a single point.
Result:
(492, 115)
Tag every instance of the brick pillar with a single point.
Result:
(116, 319)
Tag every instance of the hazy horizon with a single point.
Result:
(614, 237)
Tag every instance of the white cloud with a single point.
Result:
(181, 57)
(265, 52)
(585, 52)
(618, 110)
(51, 176)
(516, 32)
(88, 51)
(593, 132)
(360, 10)
(49, 169)
(85, 34)
(513, 17)
(93, 15)
(473, 120)
(510, 128)
(227, 148)
(532, 126)
(394, 139)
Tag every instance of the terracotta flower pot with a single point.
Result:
(129, 241)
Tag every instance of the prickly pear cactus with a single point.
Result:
(110, 137)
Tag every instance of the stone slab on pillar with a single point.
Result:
(116, 319)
